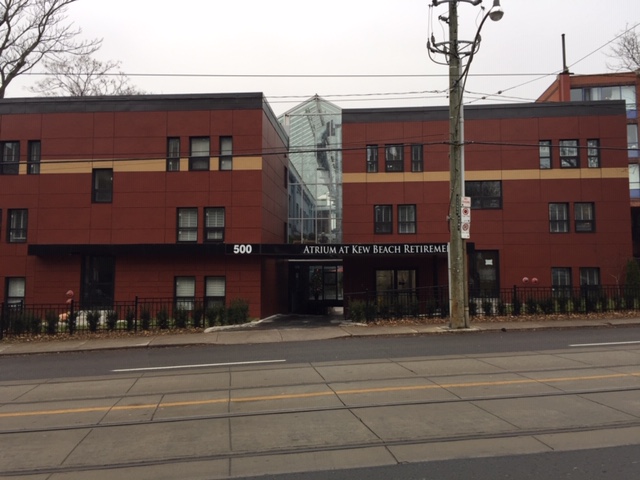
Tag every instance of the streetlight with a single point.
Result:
(454, 50)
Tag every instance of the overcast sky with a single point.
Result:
(197, 46)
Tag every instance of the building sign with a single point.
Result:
(337, 250)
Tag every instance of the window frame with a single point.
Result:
(481, 201)
(183, 231)
(184, 302)
(199, 161)
(214, 229)
(101, 193)
(14, 300)
(417, 158)
(556, 224)
(394, 163)
(558, 284)
(383, 226)
(569, 160)
(372, 158)
(407, 226)
(584, 225)
(11, 167)
(212, 301)
(546, 158)
(173, 154)
(593, 153)
(17, 233)
(226, 153)
(34, 157)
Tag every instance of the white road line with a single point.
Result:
(176, 367)
(603, 344)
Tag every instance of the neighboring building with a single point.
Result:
(548, 185)
(158, 196)
(609, 86)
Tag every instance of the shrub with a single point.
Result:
(145, 319)
(71, 322)
(516, 307)
(430, 308)
(532, 306)
(487, 308)
(198, 314)
(163, 319)
(51, 320)
(357, 310)
(547, 306)
(502, 308)
(473, 309)
(181, 317)
(130, 318)
(112, 320)
(238, 311)
(93, 319)
(216, 315)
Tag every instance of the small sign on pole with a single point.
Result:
(465, 218)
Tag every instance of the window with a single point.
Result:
(214, 224)
(97, 281)
(33, 160)
(187, 225)
(372, 158)
(185, 293)
(634, 180)
(561, 281)
(632, 140)
(593, 153)
(383, 222)
(545, 153)
(569, 154)
(173, 154)
(589, 277)
(558, 217)
(15, 290)
(396, 288)
(417, 158)
(102, 185)
(226, 153)
(584, 217)
(394, 159)
(9, 158)
(406, 219)
(485, 194)
(215, 290)
(17, 226)
(484, 270)
(199, 153)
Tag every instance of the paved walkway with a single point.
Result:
(285, 329)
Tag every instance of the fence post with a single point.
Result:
(135, 315)
(2, 307)
(71, 320)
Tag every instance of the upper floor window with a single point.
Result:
(33, 159)
(417, 158)
(569, 154)
(187, 225)
(632, 140)
(9, 158)
(484, 194)
(199, 153)
(226, 153)
(372, 158)
(406, 219)
(558, 217)
(593, 153)
(383, 219)
(102, 185)
(545, 153)
(615, 92)
(17, 225)
(394, 158)
(214, 224)
(173, 154)
(584, 214)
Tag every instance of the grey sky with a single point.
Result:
(215, 38)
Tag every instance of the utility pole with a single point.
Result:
(454, 50)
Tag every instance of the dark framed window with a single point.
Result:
(484, 194)
(589, 276)
(98, 281)
(561, 281)
(173, 154)
(484, 273)
(199, 153)
(584, 214)
(417, 158)
(187, 225)
(593, 153)
(214, 224)
(185, 293)
(383, 218)
(17, 225)
(33, 157)
(396, 288)
(394, 158)
(544, 148)
(406, 219)
(569, 157)
(226, 153)
(215, 291)
(372, 158)
(559, 217)
(15, 290)
(102, 185)
(9, 158)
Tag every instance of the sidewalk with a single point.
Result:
(269, 331)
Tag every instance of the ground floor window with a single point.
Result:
(484, 268)
(15, 288)
(97, 283)
(185, 293)
(395, 287)
(215, 291)
(561, 280)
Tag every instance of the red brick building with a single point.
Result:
(153, 196)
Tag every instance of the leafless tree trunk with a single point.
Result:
(33, 30)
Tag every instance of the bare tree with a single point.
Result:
(33, 30)
(625, 53)
(82, 76)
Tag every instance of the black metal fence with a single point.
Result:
(433, 302)
(141, 314)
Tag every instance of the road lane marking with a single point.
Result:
(604, 344)
(290, 396)
(203, 365)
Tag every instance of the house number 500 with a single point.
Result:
(242, 249)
